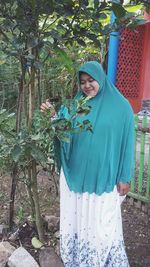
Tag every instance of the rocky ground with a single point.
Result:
(136, 223)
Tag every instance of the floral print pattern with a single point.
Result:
(83, 254)
(91, 229)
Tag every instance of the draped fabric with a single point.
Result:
(96, 162)
(91, 229)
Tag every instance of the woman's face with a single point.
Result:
(88, 85)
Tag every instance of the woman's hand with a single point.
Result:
(47, 105)
(123, 189)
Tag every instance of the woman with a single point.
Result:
(96, 170)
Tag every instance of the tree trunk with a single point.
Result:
(12, 195)
(31, 98)
(29, 189)
(15, 165)
(38, 218)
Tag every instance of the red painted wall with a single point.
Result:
(146, 56)
(133, 69)
(130, 75)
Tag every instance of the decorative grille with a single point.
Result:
(129, 68)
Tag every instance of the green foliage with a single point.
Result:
(43, 34)
(125, 17)
(39, 24)
(20, 214)
(37, 142)
(145, 3)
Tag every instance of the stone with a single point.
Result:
(25, 230)
(53, 222)
(21, 258)
(144, 207)
(137, 204)
(3, 230)
(57, 249)
(131, 201)
(5, 251)
(49, 258)
(57, 235)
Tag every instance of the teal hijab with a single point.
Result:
(96, 162)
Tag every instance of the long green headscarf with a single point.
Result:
(96, 162)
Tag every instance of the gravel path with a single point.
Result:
(136, 225)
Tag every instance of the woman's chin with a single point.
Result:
(92, 94)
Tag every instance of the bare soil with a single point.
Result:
(136, 224)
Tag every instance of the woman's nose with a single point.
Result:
(87, 84)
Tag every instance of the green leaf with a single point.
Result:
(133, 8)
(16, 153)
(2, 62)
(83, 112)
(118, 10)
(46, 7)
(11, 115)
(85, 122)
(64, 57)
(36, 243)
(2, 111)
(139, 22)
(2, 139)
(36, 137)
(96, 3)
(38, 154)
(90, 128)
(81, 42)
(103, 15)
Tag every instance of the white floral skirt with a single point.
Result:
(91, 229)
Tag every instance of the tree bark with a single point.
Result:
(29, 189)
(15, 165)
(12, 195)
(38, 218)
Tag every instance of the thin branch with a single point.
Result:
(50, 24)
(44, 23)
(5, 36)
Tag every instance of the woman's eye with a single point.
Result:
(83, 82)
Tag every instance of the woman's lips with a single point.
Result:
(88, 91)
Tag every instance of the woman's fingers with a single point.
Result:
(47, 105)
(123, 189)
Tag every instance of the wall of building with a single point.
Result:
(146, 67)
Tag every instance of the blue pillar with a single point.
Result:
(113, 53)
